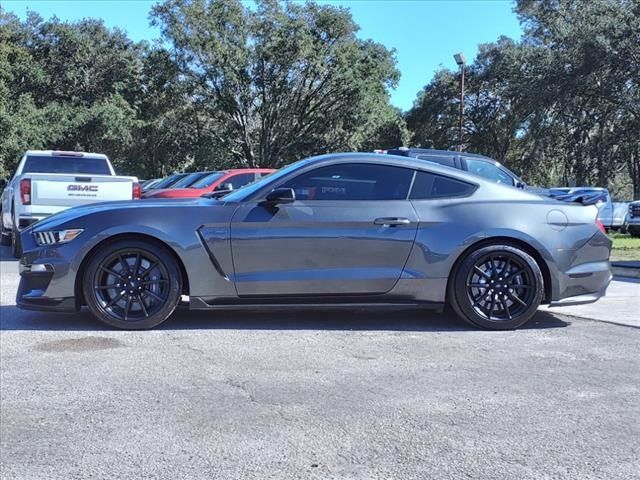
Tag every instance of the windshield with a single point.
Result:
(251, 188)
(64, 164)
(189, 180)
(170, 180)
(208, 180)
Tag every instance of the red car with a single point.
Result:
(214, 182)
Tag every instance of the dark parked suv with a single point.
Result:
(470, 162)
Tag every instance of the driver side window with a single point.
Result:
(352, 181)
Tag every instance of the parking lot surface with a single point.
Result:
(397, 394)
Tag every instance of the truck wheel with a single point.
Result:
(16, 242)
(5, 237)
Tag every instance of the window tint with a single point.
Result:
(184, 182)
(353, 181)
(488, 170)
(240, 180)
(440, 159)
(427, 185)
(170, 180)
(72, 165)
(206, 181)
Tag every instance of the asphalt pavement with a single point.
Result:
(360, 394)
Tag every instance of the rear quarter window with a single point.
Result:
(429, 186)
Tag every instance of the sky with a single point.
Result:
(424, 33)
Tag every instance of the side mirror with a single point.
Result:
(3, 183)
(281, 195)
(227, 187)
(520, 184)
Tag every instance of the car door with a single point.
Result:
(349, 232)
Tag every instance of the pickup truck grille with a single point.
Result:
(634, 210)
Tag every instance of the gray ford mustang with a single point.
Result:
(348, 229)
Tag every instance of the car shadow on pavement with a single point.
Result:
(403, 320)
(6, 255)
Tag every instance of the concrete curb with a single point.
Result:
(626, 269)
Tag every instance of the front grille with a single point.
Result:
(634, 210)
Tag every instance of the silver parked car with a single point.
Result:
(345, 229)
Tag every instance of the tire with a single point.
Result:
(497, 287)
(634, 232)
(16, 242)
(132, 273)
(5, 237)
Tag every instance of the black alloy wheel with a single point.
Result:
(497, 287)
(132, 285)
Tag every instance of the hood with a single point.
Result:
(75, 213)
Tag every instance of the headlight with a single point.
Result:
(56, 237)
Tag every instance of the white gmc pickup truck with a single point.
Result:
(47, 182)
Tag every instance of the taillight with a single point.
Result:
(25, 191)
(601, 226)
(137, 191)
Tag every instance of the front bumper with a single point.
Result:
(633, 224)
(46, 280)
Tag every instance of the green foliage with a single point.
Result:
(229, 86)
(625, 247)
(559, 106)
(281, 82)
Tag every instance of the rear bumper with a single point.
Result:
(581, 299)
(582, 274)
(24, 221)
(30, 214)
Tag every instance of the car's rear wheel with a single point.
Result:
(132, 284)
(497, 286)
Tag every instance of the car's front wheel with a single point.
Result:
(16, 241)
(132, 284)
(497, 286)
(5, 235)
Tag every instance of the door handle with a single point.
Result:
(391, 221)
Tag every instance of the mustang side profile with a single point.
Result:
(347, 229)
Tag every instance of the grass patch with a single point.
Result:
(625, 247)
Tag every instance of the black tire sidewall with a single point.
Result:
(175, 284)
(464, 309)
(16, 242)
(5, 237)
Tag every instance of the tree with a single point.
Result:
(281, 82)
(560, 106)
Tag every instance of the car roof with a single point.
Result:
(427, 151)
(403, 161)
(51, 153)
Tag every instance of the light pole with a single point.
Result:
(459, 58)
